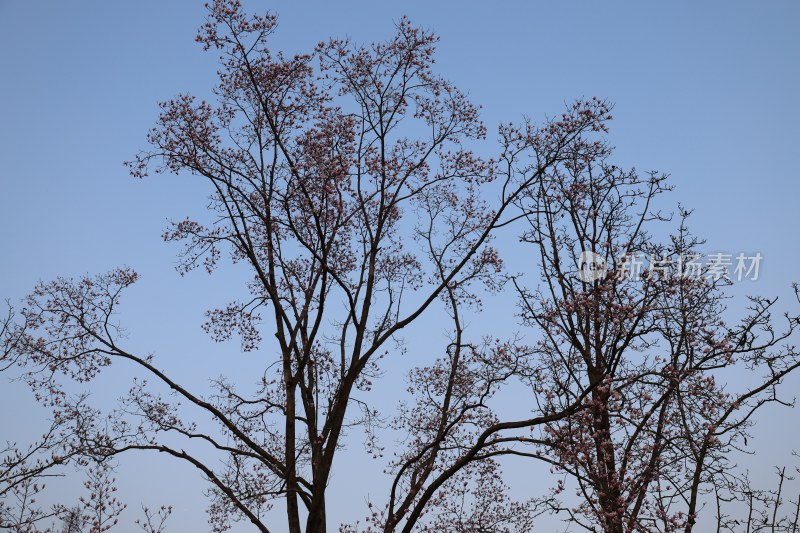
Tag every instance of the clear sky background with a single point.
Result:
(706, 91)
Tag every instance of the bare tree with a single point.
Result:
(344, 180)
(740, 506)
(25, 469)
(154, 521)
(658, 433)
(72, 520)
(100, 508)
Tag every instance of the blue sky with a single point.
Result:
(705, 91)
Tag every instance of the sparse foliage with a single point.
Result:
(349, 183)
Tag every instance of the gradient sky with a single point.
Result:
(706, 91)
